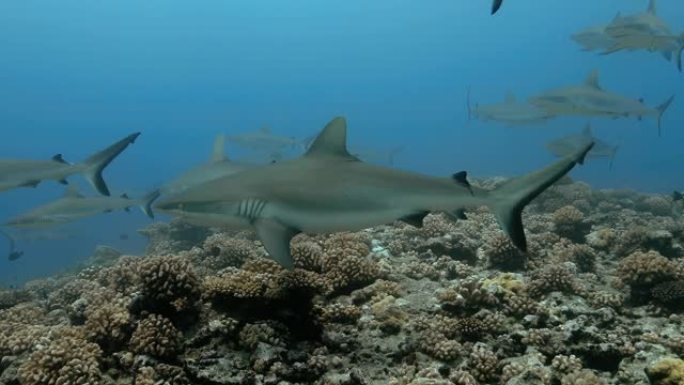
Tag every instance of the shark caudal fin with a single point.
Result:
(661, 111)
(93, 166)
(508, 201)
(496, 4)
(147, 201)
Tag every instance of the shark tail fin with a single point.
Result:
(508, 201)
(496, 4)
(93, 166)
(147, 201)
(612, 157)
(661, 111)
(393, 153)
(678, 53)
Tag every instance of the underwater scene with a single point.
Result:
(307, 192)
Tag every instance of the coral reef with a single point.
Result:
(596, 300)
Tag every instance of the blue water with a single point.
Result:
(78, 75)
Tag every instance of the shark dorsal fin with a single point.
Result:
(651, 7)
(509, 98)
(617, 16)
(332, 141)
(217, 151)
(593, 80)
(72, 192)
(59, 159)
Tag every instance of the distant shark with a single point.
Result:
(16, 173)
(510, 112)
(73, 206)
(567, 145)
(218, 166)
(329, 190)
(589, 99)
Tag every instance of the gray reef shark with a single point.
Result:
(569, 144)
(16, 173)
(510, 112)
(218, 166)
(589, 99)
(645, 31)
(13, 254)
(73, 206)
(329, 190)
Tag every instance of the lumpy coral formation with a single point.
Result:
(596, 300)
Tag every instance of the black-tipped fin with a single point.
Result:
(461, 178)
(97, 162)
(415, 220)
(147, 202)
(496, 4)
(59, 159)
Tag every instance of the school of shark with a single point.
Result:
(315, 260)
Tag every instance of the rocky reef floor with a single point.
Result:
(597, 299)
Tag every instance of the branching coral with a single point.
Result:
(67, 360)
(109, 323)
(169, 284)
(569, 222)
(156, 336)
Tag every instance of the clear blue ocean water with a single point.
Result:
(78, 75)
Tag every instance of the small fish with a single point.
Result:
(589, 99)
(73, 206)
(329, 190)
(16, 173)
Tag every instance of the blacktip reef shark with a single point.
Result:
(510, 112)
(16, 173)
(567, 145)
(329, 190)
(218, 166)
(589, 99)
(73, 206)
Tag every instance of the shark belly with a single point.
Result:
(328, 220)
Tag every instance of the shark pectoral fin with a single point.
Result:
(276, 237)
(415, 220)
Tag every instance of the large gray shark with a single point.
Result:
(16, 173)
(218, 166)
(510, 112)
(589, 99)
(329, 190)
(73, 206)
(569, 144)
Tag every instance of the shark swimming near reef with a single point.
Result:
(569, 144)
(16, 173)
(218, 166)
(509, 111)
(329, 190)
(73, 206)
(590, 99)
